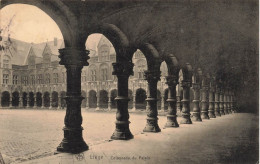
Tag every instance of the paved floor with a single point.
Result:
(26, 135)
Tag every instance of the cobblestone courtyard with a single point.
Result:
(32, 134)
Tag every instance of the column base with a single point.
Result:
(122, 131)
(226, 111)
(229, 111)
(204, 115)
(73, 141)
(196, 116)
(171, 121)
(217, 114)
(222, 112)
(186, 118)
(152, 125)
(211, 114)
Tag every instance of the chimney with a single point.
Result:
(55, 41)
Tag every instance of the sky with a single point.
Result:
(31, 24)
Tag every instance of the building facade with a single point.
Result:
(31, 77)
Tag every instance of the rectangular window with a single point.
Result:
(5, 78)
(40, 81)
(15, 79)
(56, 78)
(33, 79)
(6, 63)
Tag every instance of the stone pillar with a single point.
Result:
(225, 103)
(10, 101)
(122, 70)
(152, 78)
(74, 59)
(196, 101)
(109, 103)
(87, 101)
(172, 81)
(28, 101)
(50, 102)
(204, 102)
(134, 103)
(0, 99)
(20, 101)
(186, 103)
(211, 102)
(221, 103)
(35, 101)
(217, 113)
(59, 102)
(229, 103)
(178, 98)
(98, 94)
(42, 101)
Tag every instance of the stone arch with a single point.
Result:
(92, 99)
(5, 100)
(152, 56)
(140, 98)
(172, 64)
(118, 39)
(15, 98)
(84, 101)
(113, 95)
(103, 99)
(46, 99)
(38, 99)
(66, 21)
(55, 99)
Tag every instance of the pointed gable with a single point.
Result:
(46, 50)
(29, 54)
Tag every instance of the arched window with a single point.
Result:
(47, 78)
(40, 81)
(141, 66)
(5, 78)
(104, 70)
(55, 78)
(93, 73)
(6, 61)
(33, 79)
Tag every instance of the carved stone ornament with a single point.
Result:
(185, 84)
(74, 56)
(123, 68)
(172, 80)
(152, 75)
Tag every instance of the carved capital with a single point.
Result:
(185, 84)
(152, 75)
(196, 86)
(73, 56)
(172, 80)
(123, 68)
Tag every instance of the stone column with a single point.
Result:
(178, 105)
(204, 102)
(109, 102)
(74, 59)
(20, 101)
(50, 102)
(152, 78)
(225, 103)
(172, 81)
(59, 102)
(122, 70)
(98, 94)
(42, 100)
(196, 101)
(186, 103)
(221, 103)
(28, 101)
(11, 100)
(134, 103)
(87, 101)
(0, 99)
(217, 113)
(229, 103)
(211, 102)
(35, 101)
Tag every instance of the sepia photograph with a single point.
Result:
(129, 81)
